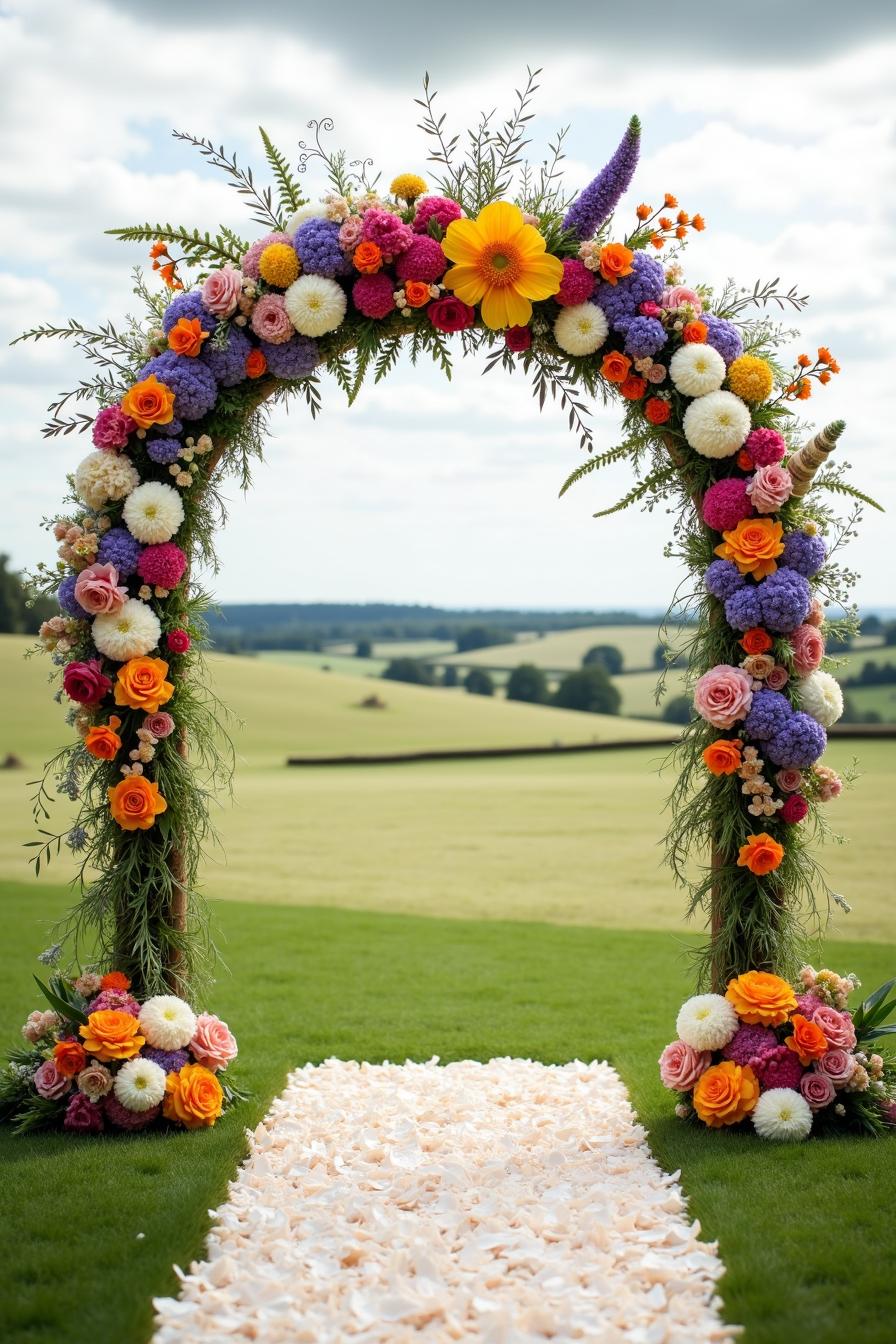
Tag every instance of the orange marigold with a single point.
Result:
(824, 355)
(804, 361)
(657, 240)
(670, 201)
(683, 217)
(761, 854)
(643, 212)
(723, 757)
(115, 980)
(665, 222)
(698, 223)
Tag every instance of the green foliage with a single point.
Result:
(289, 197)
(199, 249)
(478, 682)
(678, 710)
(590, 690)
(410, 670)
(479, 637)
(527, 683)
(606, 656)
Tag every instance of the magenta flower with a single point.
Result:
(112, 429)
(160, 725)
(84, 682)
(83, 1116)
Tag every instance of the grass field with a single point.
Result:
(562, 650)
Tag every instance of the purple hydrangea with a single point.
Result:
(804, 553)
(294, 358)
(191, 381)
(748, 1043)
(172, 1061)
(784, 597)
(742, 609)
(227, 359)
(799, 743)
(723, 579)
(620, 301)
(600, 198)
(189, 305)
(768, 716)
(163, 451)
(723, 336)
(173, 428)
(317, 243)
(120, 549)
(645, 336)
(65, 596)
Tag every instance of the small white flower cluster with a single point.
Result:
(401, 301)
(184, 476)
(147, 748)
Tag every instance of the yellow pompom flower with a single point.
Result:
(750, 378)
(408, 186)
(501, 264)
(279, 265)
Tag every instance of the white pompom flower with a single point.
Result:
(318, 211)
(167, 1022)
(315, 305)
(581, 329)
(153, 512)
(130, 632)
(821, 696)
(697, 369)
(139, 1084)
(782, 1114)
(104, 477)
(716, 424)
(707, 1022)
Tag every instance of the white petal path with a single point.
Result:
(505, 1203)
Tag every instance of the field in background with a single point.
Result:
(563, 650)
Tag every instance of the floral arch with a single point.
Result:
(494, 258)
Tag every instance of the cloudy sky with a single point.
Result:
(778, 129)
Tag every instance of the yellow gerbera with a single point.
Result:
(501, 264)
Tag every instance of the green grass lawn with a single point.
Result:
(806, 1232)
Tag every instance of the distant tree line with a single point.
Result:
(16, 617)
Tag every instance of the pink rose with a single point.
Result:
(679, 295)
(350, 233)
(270, 321)
(160, 725)
(111, 430)
(806, 642)
(681, 1065)
(770, 487)
(518, 338)
(758, 665)
(98, 590)
(656, 373)
(830, 785)
(836, 1064)
(723, 695)
(837, 1027)
(817, 1089)
(213, 1043)
(50, 1083)
(178, 641)
(221, 291)
(84, 682)
(778, 678)
(449, 314)
(816, 612)
(649, 309)
(789, 781)
(95, 1081)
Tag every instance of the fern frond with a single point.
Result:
(197, 247)
(595, 464)
(288, 194)
(841, 487)
(654, 481)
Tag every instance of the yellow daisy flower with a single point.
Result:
(501, 264)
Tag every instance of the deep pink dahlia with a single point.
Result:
(726, 503)
(765, 446)
(423, 260)
(577, 285)
(372, 295)
(780, 1069)
(440, 208)
(162, 565)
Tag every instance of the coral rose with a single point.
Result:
(808, 1041)
(723, 695)
(657, 411)
(186, 337)
(756, 640)
(726, 1094)
(807, 643)
(149, 403)
(695, 333)
(110, 1034)
(753, 546)
(256, 364)
(761, 854)
(193, 1097)
(615, 260)
(69, 1057)
(416, 293)
(633, 387)
(837, 1027)
(723, 757)
(102, 741)
(135, 802)
(141, 684)
(761, 999)
(681, 1066)
(367, 258)
(615, 367)
(213, 1044)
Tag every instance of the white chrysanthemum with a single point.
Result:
(167, 1022)
(139, 1084)
(153, 512)
(821, 696)
(318, 211)
(706, 1022)
(783, 1114)
(717, 424)
(130, 632)
(315, 305)
(102, 477)
(581, 329)
(697, 369)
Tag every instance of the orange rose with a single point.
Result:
(102, 741)
(186, 337)
(110, 1034)
(633, 387)
(722, 757)
(615, 367)
(615, 261)
(115, 980)
(256, 364)
(761, 999)
(416, 293)
(753, 546)
(149, 403)
(695, 333)
(656, 410)
(193, 1097)
(367, 258)
(141, 684)
(761, 854)
(725, 1094)
(135, 802)
(808, 1041)
(69, 1057)
(756, 640)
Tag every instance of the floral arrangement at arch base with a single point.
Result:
(494, 256)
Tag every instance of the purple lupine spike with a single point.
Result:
(598, 201)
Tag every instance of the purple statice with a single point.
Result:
(723, 336)
(163, 451)
(619, 307)
(768, 716)
(119, 548)
(65, 596)
(723, 579)
(317, 243)
(645, 336)
(600, 198)
(784, 598)
(647, 280)
(742, 609)
(227, 358)
(780, 1068)
(749, 1045)
(188, 304)
(191, 381)
(804, 553)
(172, 1061)
(807, 1004)
(291, 359)
(799, 743)
(171, 430)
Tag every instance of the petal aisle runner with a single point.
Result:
(504, 1202)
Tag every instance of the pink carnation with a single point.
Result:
(679, 295)
(372, 295)
(816, 612)
(681, 1065)
(781, 1068)
(112, 428)
(50, 1083)
(829, 783)
(350, 233)
(818, 1090)
(837, 1027)
(770, 488)
(726, 503)
(808, 649)
(213, 1043)
(423, 260)
(836, 1064)
(270, 321)
(388, 231)
(39, 1024)
(577, 284)
(160, 725)
(221, 291)
(162, 565)
(765, 446)
(723, 695)
(778, 678)
(116, 1001)
(439, 208)
(788, 781)
(98, 590)
(650, 309)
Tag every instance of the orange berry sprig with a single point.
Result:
(168, 271)
(657, 228)
(800, 386)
